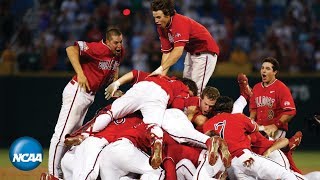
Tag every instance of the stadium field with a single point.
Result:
(307, 161)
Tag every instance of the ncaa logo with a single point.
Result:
(26, 153)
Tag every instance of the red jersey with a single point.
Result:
(177, 91)
(98, 63)
(183, 31)
(259, 143)
(233, 128)
(271, 102)
(174, 152)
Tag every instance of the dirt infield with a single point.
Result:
(11, 173)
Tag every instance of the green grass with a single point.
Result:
(307, 161)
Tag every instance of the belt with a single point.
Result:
(199, 53)
(89, 92)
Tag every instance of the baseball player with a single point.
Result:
(83, 161)
(185, 162)
(178, 33)
(95, 64)
(233, 128)
(165, 92)
(271, 104)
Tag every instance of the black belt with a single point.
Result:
(199, 53)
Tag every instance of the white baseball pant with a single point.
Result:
(176, 123)
(205, 170)
(75, 104)
(148, 97)
(262, 168)
(199, 68)
(82, 162)
(121, 157)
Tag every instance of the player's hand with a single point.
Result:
(270, 130)
(111, 89)
(267, 153)
(83, 82)
(158, 71)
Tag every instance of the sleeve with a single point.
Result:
(180, 33)
(164, 40)
(250, 125)
(287, 102)
(138, 76)
(84, 48)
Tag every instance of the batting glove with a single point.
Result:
(157, 71)
(111, 89)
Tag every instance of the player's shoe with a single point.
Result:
(225, 154)
(156, 155)
(245, 89)
(295, 140)
(212, 146)
(47, 176)
(74, 140)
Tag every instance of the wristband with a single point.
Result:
(261, 128)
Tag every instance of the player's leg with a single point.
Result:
(258, 166)
(187, 66)
(313, 175)
(206, 171)
(74, 108)
(68, 163)
(148, 97)
(87, 158)
(239, 105)
(176, 123)
(185, 169)
(202, 69)
(124, 158)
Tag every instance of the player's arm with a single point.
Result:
(199, 120)
(253, 114)
(73, 53)
(111, 89)
(278, 144)
(171, 59)
(165, 57)
(116, 74)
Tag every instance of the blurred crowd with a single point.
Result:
(35, 33)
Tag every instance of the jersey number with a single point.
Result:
(219, 127)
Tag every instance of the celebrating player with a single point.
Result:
(178, 33)
(95, 64)
(271, 104)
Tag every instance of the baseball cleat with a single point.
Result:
(156, 156)
(295, 140)
(74, 140)
(225, 154)
(245, 89)
(213, 147)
